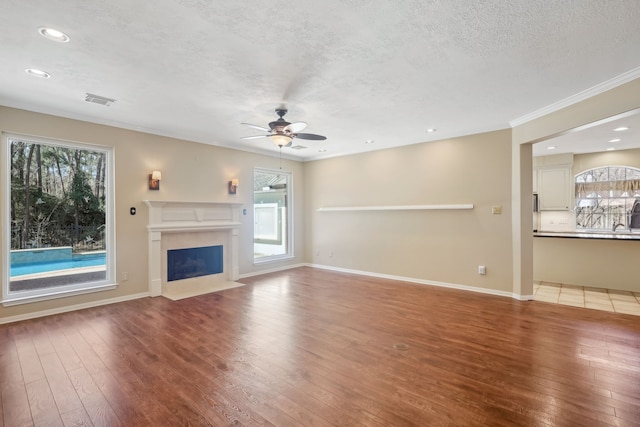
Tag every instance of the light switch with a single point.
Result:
(496, 210)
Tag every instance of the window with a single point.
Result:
(606, 197)
(271, 215)
(57, 217)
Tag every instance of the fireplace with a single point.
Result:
(194, 262)
(176, 227)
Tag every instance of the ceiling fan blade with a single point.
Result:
(310, 136)
(256, 127)
(295, 127)
(255, 136)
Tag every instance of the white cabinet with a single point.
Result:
(554, 188)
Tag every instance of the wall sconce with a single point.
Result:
(233, 185)
(154, 180)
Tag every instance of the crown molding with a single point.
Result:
(578, 97)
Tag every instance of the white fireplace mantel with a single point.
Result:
(188, 217)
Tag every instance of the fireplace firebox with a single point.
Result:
(194, 262)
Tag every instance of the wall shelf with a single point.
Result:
(395, 208)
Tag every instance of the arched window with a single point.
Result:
(608, 197)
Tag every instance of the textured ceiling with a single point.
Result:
(354, 70)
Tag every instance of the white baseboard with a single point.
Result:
(427, 282)
(68, 308)
(273, 270)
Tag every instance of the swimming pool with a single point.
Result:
(76, 261)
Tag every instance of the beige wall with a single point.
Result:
(619, 100)
(583, 162)
(566, 220)
(443, 246)
(610, 264)
(190, 171)
(596, 263)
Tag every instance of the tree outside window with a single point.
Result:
(606, 197)
(57, 215)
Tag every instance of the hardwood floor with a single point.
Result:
(309, 347)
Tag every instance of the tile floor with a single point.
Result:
(595, 298)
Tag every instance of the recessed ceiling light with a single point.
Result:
(551, 147)
(369, 141)
(615, 140)
(37, 73)
(621, 128)
(431, 130)
(53, 34)
(611, 148)
(322, 150)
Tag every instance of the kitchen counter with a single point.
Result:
(606, 260)
(618, 235)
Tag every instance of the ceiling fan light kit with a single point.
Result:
(281, 140)
(282, 133)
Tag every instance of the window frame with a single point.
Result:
(607, 218)
(9, 297)
(289, 254)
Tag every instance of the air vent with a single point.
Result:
(298, 147)
(97, 99)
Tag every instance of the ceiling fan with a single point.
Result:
(281, 132)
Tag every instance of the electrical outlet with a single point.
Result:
(482, 270)
(125, 276)
(330, 254)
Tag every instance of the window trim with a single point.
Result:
(10, 298)
(578, 200)
(290, 254)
